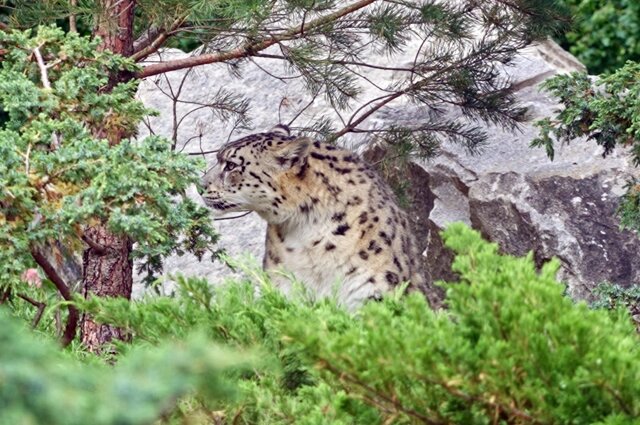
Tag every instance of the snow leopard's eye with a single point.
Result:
(229, 166)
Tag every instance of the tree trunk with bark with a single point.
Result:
(107, 264)
(107, 273)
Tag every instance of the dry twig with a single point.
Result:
(39, 305)
(53, 275)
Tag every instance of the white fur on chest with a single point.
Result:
(323, 273)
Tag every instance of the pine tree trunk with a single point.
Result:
(114, 25)
(107, 264)
(108, 271)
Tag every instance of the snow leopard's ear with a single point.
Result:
(292, 153)
(281, 129)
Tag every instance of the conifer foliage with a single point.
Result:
(58, 178)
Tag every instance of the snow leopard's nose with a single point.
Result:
(202, 187)
(206, 188)
(207, 181)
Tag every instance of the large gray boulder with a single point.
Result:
(513, 194)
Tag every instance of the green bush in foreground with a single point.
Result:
(509, 349)
(40, 385)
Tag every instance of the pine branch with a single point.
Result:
(249, 49)
(146, 38)
(340, 62)
(384, 100)
(154, 40)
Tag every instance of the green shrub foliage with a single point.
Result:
(41, 385)
(58, 173)
(510, 348)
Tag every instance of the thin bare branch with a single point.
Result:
(44, 77)
(301, 111)
(53, 275)
(272, 75)
(5, 294)
(95, 246)
(189, 140)
(26, 157)
(39, 305)
(203, 152)
(147, 123)
(233, 217)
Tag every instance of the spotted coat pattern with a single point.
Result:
(332, 221)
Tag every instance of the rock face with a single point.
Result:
(513, 194)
